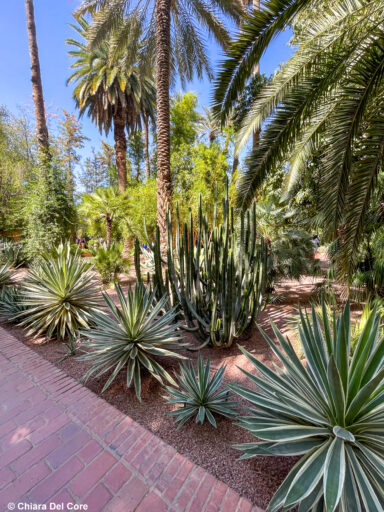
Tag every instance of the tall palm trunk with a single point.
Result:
(146, 149)
(164, 177)
(256, 71)
(120, 146)
(37, 87)
(108, 229)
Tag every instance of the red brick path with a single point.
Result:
(60, 443)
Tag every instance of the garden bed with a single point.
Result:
(256, 479)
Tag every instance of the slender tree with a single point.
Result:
(37, 87)
(164, 176)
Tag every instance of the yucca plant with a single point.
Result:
(130, 335)
(59, 295)
(6, 275)
(199, 394)
(329, 410)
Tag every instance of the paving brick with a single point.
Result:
(14, 452)
(6, 476)
(152, 503)
(66, 450)
(131, 495)
(92, 474)
(187, 491)
(36, 454)
(175, 485)
(90, 451)
(58, 479)
(216, 498)
(18, 488)
(98, 498)
(203, 491)
(117, 477)
(230, 502)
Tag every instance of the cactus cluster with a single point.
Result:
(214, 271)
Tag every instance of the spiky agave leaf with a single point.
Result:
(330, 410)
(6, 275)
(11, 302)
(199, 394)
(130, 335)
(59, 295)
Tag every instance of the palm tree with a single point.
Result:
(328, 99)
(114, 88)
(209, 125)
(104, 205)
(37, 87)
(176, 28)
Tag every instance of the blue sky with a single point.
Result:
(52, 22)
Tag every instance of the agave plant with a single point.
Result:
(11, 302)
(59, 295)
(128, 337)
(6, 275)
(329, 410)
(200, 394)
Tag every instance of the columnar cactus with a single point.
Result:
(215, 272)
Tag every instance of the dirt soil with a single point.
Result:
(256, 479)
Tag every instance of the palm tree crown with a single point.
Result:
(115, 89)
(328, 99)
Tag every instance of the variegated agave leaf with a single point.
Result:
(329, 409)
(200, 394)
(129, 337)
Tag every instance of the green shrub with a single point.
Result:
(59, 295)
(129, 336)
(199, 394)
(109, 262)
(329, 410)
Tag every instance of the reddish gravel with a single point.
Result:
(256, 479)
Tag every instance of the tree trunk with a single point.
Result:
(146, 149)
(235, 164)
(256, 71)
(108, 229)
(164, 177)
(37, 87)
(120, 146)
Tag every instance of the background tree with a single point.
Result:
(104, 205)
(37, 87)
(113, 88)
(69, 140)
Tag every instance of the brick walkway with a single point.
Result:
(60, 443)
